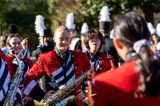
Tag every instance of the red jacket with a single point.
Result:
(117, 88)
(105, 63)
(7, 70)
(11, 67)
(48, 64)
(27, 62)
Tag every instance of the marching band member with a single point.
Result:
(105, 28)
(100, 61)
(136, 82)
(84, 31)
(3, 39)
(7, 70)
(45, 40)
(60, 67)
(153, 38)
(75, 42)
(13, 29)
(14, 45)
(25, 45)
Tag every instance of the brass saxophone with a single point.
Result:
(11, 94)
(58, 95)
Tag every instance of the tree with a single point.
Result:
(61, 9)
(91, 8)
(23, 13)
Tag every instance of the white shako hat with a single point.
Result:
(70, 21)
(39, 25)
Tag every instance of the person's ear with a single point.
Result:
(118, 44)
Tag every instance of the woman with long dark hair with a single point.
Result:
(137, 81)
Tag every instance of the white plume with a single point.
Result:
(158, 46)
(84, 28)
(70, 21)
(158, 29)
(151, 28)
(112, 34)
(104, 14)
(39, 25)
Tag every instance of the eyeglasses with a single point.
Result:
(71, 30)
(94, 37)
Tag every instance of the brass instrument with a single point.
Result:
(89, 94)
(89, 99)
(66, 101)
(11, 94)
(58, 95)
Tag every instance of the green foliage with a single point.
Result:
(91, 8)
(23, 13)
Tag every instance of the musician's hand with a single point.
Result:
(25, 43)
(47, 95)
(46, 104)
(26, 99)
(80, 95)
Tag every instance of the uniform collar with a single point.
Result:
(93, 57)
(61, 55)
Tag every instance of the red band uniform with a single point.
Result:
(50, 65)
(7, 69)
(122, 81)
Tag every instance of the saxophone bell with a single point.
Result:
(61, 93)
